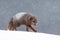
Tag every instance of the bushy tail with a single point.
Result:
(10, 25)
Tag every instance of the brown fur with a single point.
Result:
(27, 20)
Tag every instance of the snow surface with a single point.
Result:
(20, 35)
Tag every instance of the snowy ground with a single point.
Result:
(19, 35)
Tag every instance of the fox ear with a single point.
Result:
(34, 16)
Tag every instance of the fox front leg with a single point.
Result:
(30, 27)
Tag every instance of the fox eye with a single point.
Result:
(33, 21)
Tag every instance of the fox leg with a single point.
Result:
(30, 27)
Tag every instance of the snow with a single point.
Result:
(23, 35)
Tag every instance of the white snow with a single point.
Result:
(20, 35)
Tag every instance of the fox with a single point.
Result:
(22, 18)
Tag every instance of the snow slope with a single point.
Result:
(20, 35)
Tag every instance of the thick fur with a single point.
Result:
(25, 19)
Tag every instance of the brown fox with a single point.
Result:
(22, 18)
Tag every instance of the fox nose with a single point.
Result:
(36, 24)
